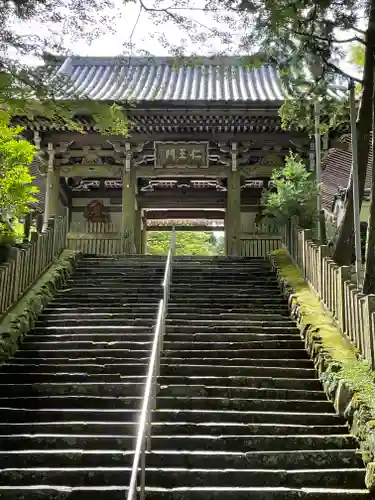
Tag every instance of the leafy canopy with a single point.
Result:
(16, 190)
(294, 194)
(29, 84)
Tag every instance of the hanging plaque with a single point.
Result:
(181, 155)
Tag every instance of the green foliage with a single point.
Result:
(187, 243)
(357, 56)
(16, 189)
(298, 114)
(294, 194)
(29, 83)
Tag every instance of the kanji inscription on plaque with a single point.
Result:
(181, 154)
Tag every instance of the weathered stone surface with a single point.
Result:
(347, 381)
(23, 316)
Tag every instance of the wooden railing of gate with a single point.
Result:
(98, 238)
(261, 241)
(28, 262)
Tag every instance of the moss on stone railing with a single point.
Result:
(21, 318)
(347, 379)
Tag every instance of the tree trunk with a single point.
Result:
(344, 245)
(369, 282)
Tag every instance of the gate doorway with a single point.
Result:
(194, 236)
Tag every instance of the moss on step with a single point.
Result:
(348, 380)
(21, 318)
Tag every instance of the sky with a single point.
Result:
(130, 24)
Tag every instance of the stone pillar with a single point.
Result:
(128, 203)
(233, 213)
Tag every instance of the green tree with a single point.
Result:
(29, 84)
(16, 189)
(294, 194)
(187, 243)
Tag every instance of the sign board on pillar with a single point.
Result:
(181, 154)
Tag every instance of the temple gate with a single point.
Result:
(203, 142)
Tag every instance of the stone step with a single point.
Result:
(245, 382)
(72, 401)
(122, 388)
(140, 326)
(130, 415)
(217, 403)
(165, 428)
(301, 459)
(37, 376)
(238, 340)
(56, 352)
(230, 443)
(76, 293)
(110, 365)
(196, 349)
(98, 302)
(113, 389)
(133, 339)
(153, 287)
(174, 323)
(89, 365)
(221, 291)
(173, 309)
(141, 349)
(208, 315)
(194, 493)
(187, 281)
(257, 367)
(235, 339)
(229, 328)
(215, 391)
(228, 300)
(231, 323)
(171, 478)
(106, 303)
(233, 357)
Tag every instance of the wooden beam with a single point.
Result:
(95, 138)
(186, 228)
(185, 214)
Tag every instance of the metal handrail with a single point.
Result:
(143, 442)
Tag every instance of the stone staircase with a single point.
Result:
(241, 414)
(70, 398)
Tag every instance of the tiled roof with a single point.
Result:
(336, 168)
(162, 79)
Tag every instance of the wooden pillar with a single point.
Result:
(138, 231)
(54, 196)
(50, 188)
(226, 234)
(144, 236)
(233, 213)
(128, 203)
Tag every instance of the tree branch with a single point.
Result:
(329, 40)
(341, 72)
